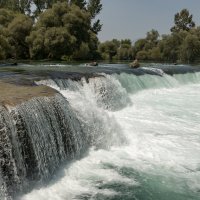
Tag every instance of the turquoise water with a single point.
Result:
(145, 139)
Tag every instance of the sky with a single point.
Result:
(132, 19)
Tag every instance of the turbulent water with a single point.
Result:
(144, 135)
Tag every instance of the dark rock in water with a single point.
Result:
(92, 64)
(14, 64)
(135, 64)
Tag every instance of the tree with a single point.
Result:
(152, 36)
(5, 47)
(151, 40)
(60, 31)
(19, 29)
(22, 6)
(93, 46)
(142, 55)
(108, 49)
(80, 3)
(58, 42)
(126, 42)
(6, 16)
(82, 52)
(94, 7)
(169, 47)
(125, 50)
(155, 54)
(140, 44)
(190, 48)
(15, 27)
(36, 44)
(183, 21)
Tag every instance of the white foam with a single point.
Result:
(162, 130)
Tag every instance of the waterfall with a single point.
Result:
(159, 118)
(35, 138)
(38, 136)
(112, 91)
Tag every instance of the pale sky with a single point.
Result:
(131, 19)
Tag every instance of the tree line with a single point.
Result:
(49, 29)
(68, 30)
(181, 45)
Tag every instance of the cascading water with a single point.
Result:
(158, 155)
(36, 138)
(141, 133)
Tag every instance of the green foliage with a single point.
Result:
(36, 44)
(125, 50)
(155, 54)
(58, 42)
(169, 48)
(14, 29)
(108, 49)
(64, 29)
(67, 29)
(5, 48)
(152, 36)
(96, 27)
(181, 45)
(82, 52)
(94, 7)
(146, 48)
(183, 21)
(152, 39)
(93, 46)
(77, 21)
(115, 49)
(190, 48)
(142, 55)
(18, 30)
(22, 6)
(126, 42)
(125, 53)
(140, 44)
(80, 3)
(6, 16)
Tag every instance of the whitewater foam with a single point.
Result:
(159, 159)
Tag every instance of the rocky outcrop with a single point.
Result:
(12, 95)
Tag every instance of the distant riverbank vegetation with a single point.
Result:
(68, 30)
(181, 45)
